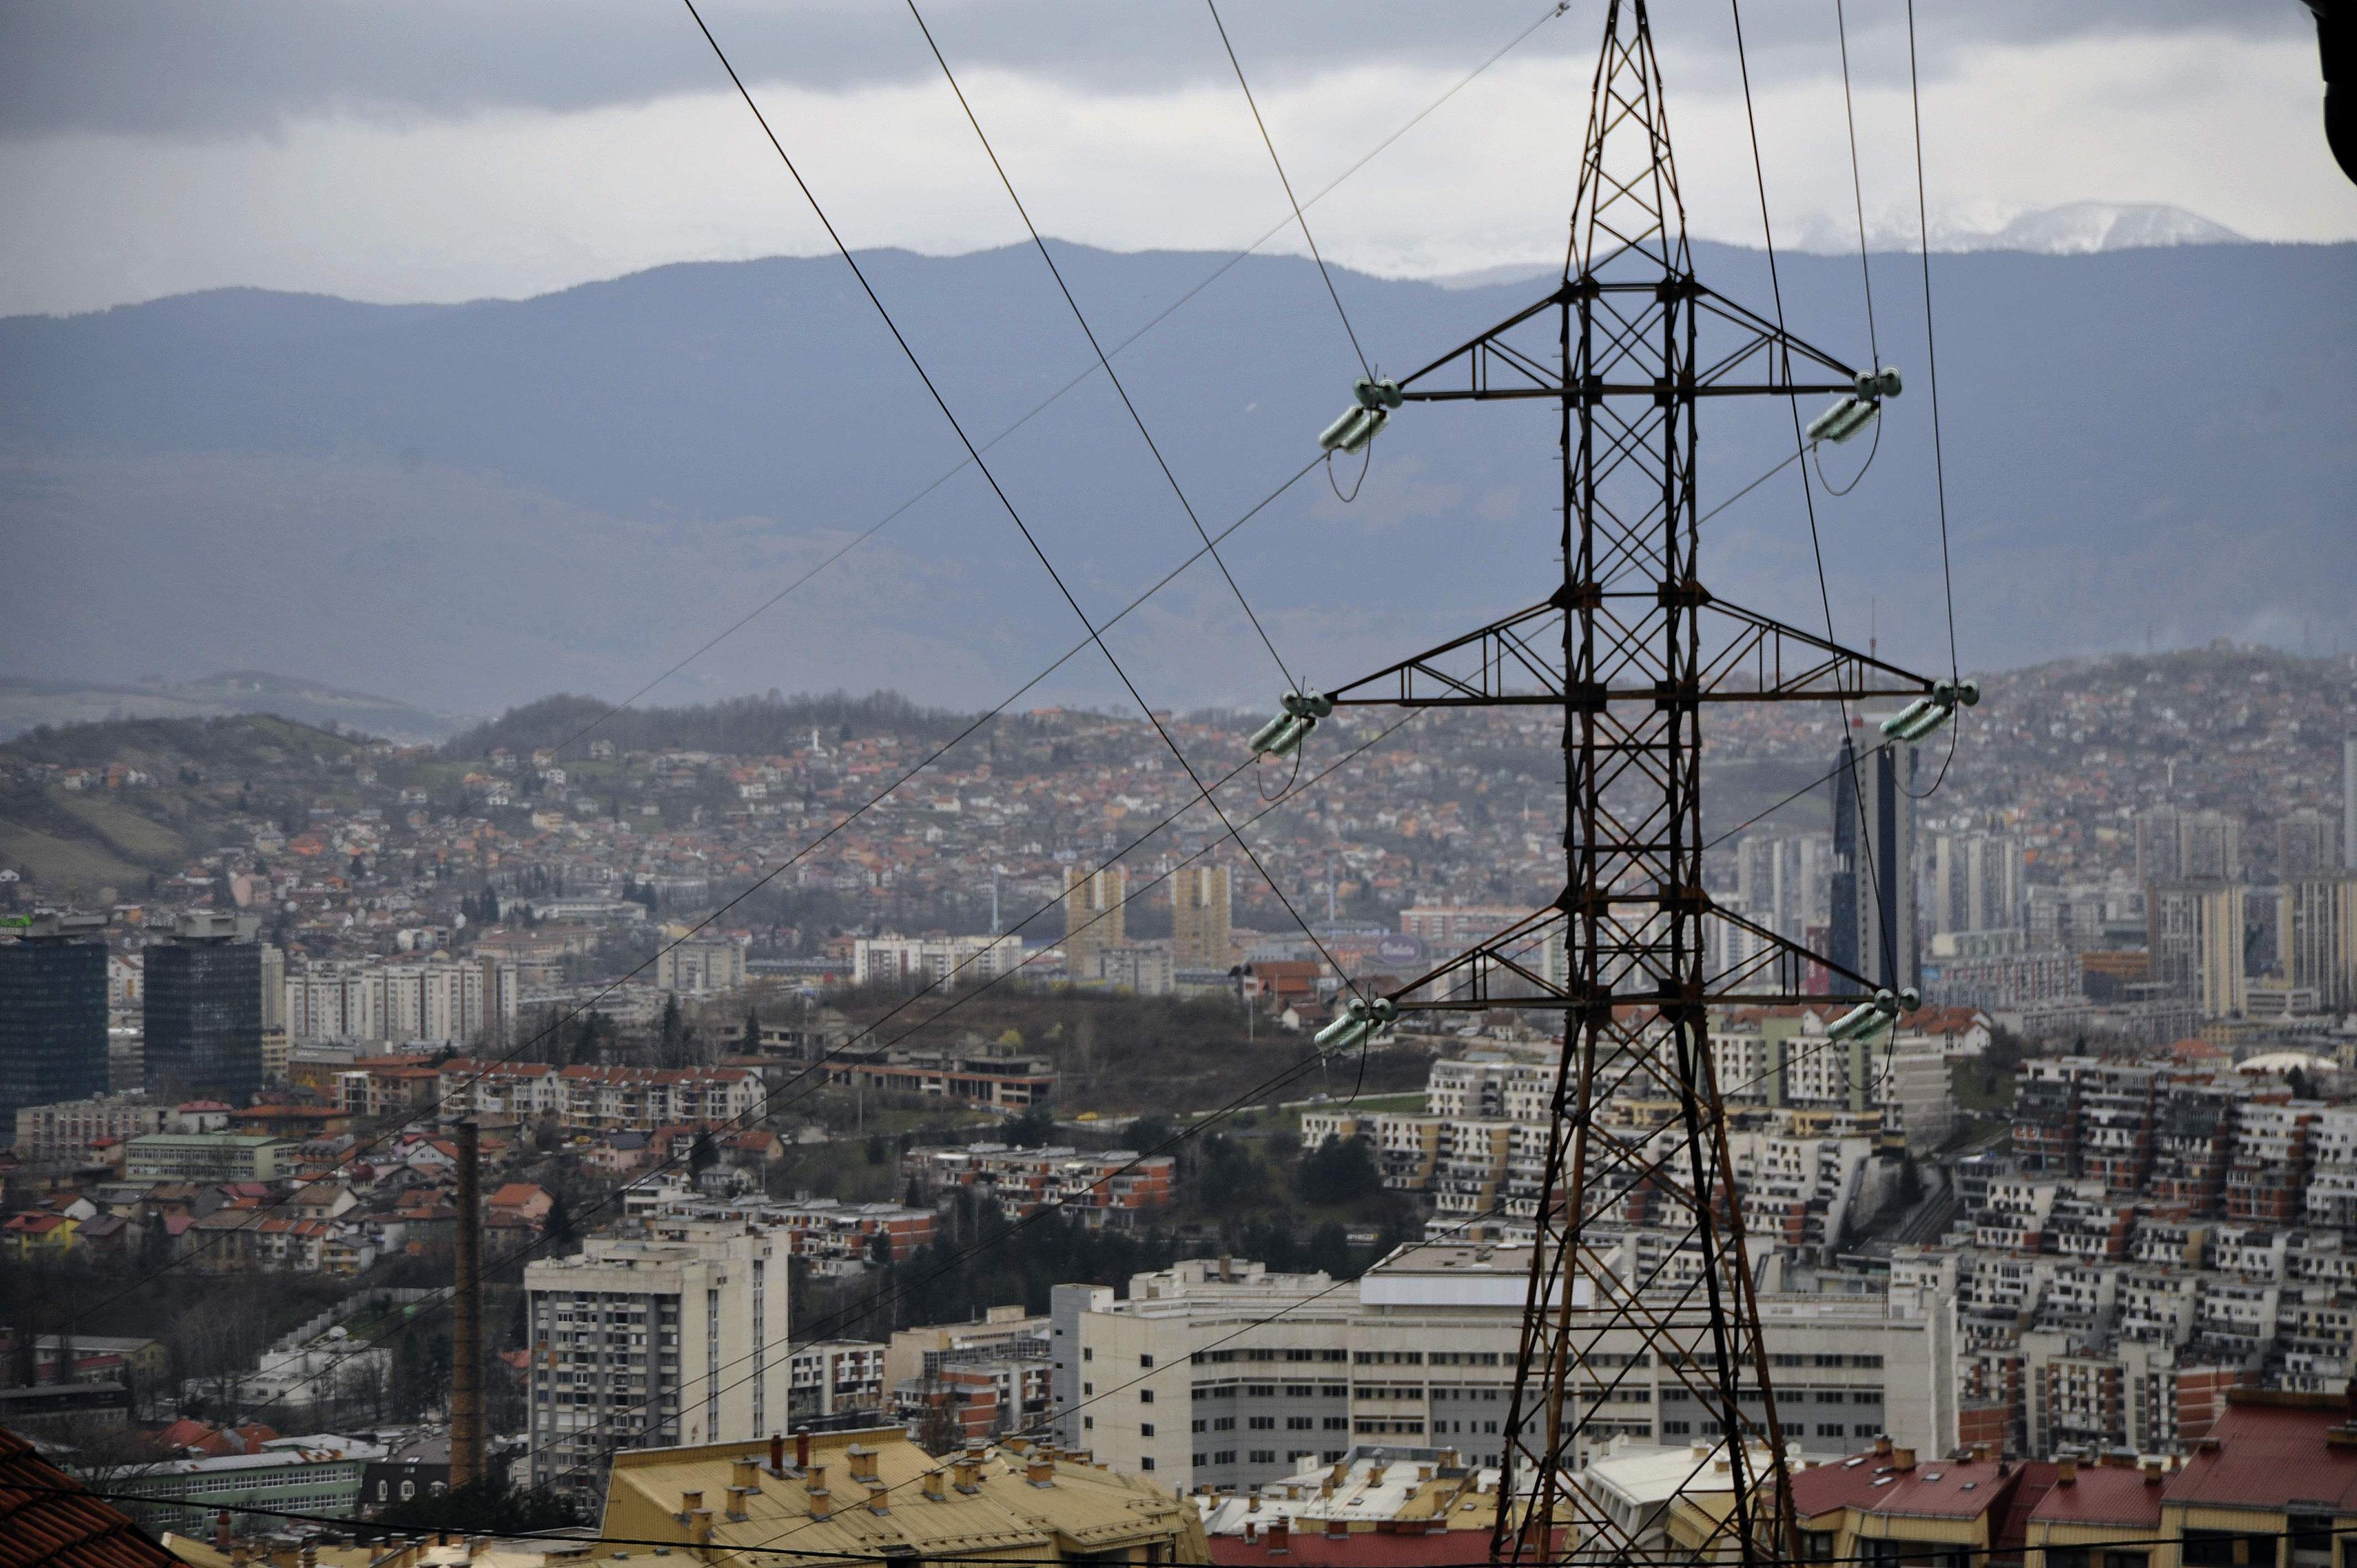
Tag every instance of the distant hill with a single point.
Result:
(193, 773)
(24, 703)
(470, 506)
(741, 726)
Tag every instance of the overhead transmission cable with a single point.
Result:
(768, 1105)
(1248, 1099)
(1045, 403)
(1885, 918)
(1298, 216)
(582, 1537)
(1624, 1152)
(1006, 503)
(1103, 361)
(549, 1030)
(1932, 370)
(1864, 270)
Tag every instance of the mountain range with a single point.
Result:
(468, 506)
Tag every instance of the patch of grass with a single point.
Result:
(81, 865)
(126, 832)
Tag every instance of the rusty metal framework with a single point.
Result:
(1629, 347)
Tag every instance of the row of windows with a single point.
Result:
(1265, 1456)
(1781, 1359)
(1825, 1429)
(1268, 1423)
(1790, 1396)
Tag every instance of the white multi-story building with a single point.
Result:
(655, 1344)
(699, 967)
(607, 1099)
(438, 998)
(890, 959)
(1221, 1373)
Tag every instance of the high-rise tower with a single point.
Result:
(1094, 903)
(52, 1012)
(203, 991)
(1200, 916)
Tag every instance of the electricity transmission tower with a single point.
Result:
(1628, 349)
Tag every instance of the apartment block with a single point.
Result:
(1201, 909)
(655, 1344)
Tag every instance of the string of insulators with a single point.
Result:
(1871, 1017)
(1374, 398)
(1924, 714)
(1283, 735)
(1359, 1020)
(1855, 410)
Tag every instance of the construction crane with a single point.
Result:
(1629, 349)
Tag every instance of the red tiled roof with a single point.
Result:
(1934, 1488)
(2269, 1455)
(184, 1433)
(47, 1516)
(2108, 1494)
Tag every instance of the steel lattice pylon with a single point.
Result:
(1645, 649)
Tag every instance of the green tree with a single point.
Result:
(1034, 1129)
(1233, 1175)
(1339, 1171)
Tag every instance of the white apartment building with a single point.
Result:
(699, 967)
(972, 959)
(655, 1344)
(608, 1099)
(837, 1378)
(438, 998)
(1217, 1372)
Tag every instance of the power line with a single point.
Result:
(1098, 348)
(1251, 1096)
(1864, 271)
(1045, 403)
(768, 1105)
(1014, 515)
(214, 1505)
(1886, 919)
(1298, 217)
(1626, 1153)
(430, 1112)
(1931, 370)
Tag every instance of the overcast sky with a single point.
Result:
(446, 149)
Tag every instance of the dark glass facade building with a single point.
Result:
(52, 1021)
(204, 1019)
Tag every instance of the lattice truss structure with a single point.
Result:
(1633, 648)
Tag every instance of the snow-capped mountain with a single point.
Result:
(2082, 228)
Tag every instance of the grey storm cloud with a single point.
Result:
(250, 67)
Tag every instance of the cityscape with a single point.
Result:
(1699, 1071)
